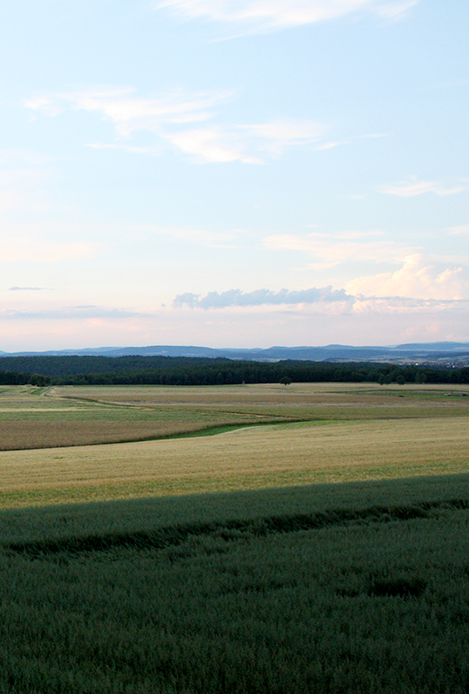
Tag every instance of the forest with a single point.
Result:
(137, 370)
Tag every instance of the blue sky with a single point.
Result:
(233, 173)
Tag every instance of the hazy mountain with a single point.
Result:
(430, 350)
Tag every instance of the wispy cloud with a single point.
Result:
(399, 305)
(260, 297)
(328, 250)
(27, 289)
(413, 187)
(461, 230)
(271, 15)
(247, 143)
(172, 117)
(213, 145)
(129, 113)
(125, 148)
(70, 313)
(277, 136)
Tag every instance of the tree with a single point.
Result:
(38, 380)
(285, 381)
(420, 377)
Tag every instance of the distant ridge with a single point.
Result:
(334, 352)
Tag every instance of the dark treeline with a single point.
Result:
(76, 370)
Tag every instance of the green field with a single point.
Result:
(327, 552)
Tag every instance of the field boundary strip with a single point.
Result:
(230, 530)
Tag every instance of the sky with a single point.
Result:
(233, 173)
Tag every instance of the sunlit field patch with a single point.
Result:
(248, 458)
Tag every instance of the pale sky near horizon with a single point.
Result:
(233, 173)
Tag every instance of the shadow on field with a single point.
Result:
(161, 522)
(239, 529)
(355, 588)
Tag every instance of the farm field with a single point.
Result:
(325, 551)
(272, 456)
(73, 415)
(355, 587)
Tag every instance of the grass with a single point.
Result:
(328, 555)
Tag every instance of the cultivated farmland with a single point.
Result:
(72, 416)
(323, 550)
(248, 458)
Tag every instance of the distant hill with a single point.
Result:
(411, 351)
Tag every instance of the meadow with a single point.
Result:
(324, 549)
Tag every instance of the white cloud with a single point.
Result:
(329, 250)
(129, 113)
(212, 145)
(168, 116)
(413, 187)
(328, 145)
(246, 143)
(268, 15)
(417, 278)
(304, 303)
(277, 136)
(461, 230)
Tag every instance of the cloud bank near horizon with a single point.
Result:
(260, 297)
(330, 300)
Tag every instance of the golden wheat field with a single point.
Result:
(310, 433)
(248, 458)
